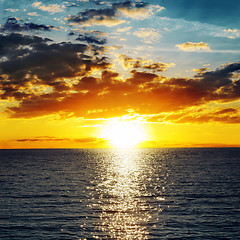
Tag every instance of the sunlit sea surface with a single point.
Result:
(125, 194)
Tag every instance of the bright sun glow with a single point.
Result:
(124, 134)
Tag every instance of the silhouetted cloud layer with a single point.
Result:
(56, 139)
(14, 25)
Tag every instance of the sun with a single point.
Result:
(124, 134)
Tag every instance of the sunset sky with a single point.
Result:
(73, 71)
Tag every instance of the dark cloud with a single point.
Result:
(91, 38)
(14, 25)
(10, 43)
(211, 85)
(129, 62)
(227, 110)
(46, 62)
(56, 139)
(98, 15)
(42, 139)
(104, 16)
(220, 77)
(129, 5)
(141, 77)
(156, 67)
(33, 71)
(34, 60)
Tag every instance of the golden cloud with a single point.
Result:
(191, 46)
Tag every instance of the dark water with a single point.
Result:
(109, 194)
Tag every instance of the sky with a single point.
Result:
(69, 70)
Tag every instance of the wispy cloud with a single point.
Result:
(147, 34)
(33, 14)
(52, 8)
(124, 29)
(12, 10)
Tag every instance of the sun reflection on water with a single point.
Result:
(125, 212)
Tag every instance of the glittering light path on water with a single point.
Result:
(124, 196)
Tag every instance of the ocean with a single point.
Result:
(185, 193)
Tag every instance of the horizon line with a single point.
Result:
(112, 148)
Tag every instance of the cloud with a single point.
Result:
(13, 25)
(92, 37)
(43, 77)
(110, 16)
(158, 67)
(227, 110)
(106, 16)
(144, 92)
(227, 115)
(139, 63)
(32, 62)
(234, 33)
(11, 10)
(125, 29)
(199, 115)
(52, 8)
(201, 70)
(33, 14)
(231, 30)
(41, 139)
(191, 46)
(147, 34)
(12, 43)
(139, 10)
(89, 140)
